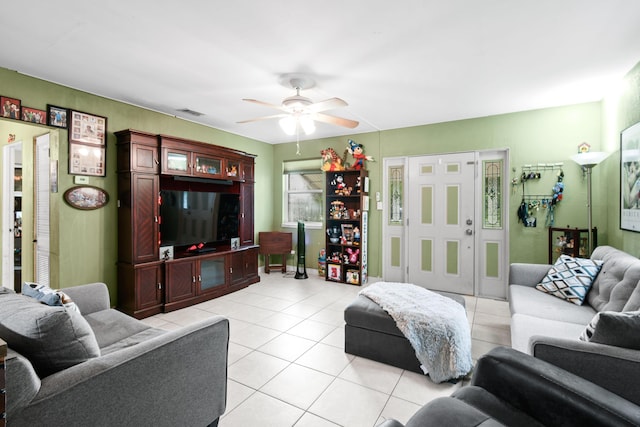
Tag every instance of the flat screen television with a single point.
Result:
(192, 217)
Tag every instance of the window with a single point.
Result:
(302, 199)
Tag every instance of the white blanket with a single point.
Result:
(436, 326)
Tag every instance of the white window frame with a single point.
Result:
(299, 167)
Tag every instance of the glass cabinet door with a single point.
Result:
(207, 165)
(233, 169)
(212, 273)
(175, 161)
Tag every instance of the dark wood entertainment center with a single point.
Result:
(147, 164)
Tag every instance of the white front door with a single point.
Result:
(441, 222)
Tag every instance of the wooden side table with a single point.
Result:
(275, 243)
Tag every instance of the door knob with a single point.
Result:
(469, 222)
(469, 231)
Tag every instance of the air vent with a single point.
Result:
(192, 112)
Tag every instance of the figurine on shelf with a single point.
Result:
(338, 183)
(331, 161)
(353, 277)
(353, 255)
(357, 151)
(358, 184)
(337, 209)
(335, 257)
(356, 236)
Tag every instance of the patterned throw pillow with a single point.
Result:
(570, 278)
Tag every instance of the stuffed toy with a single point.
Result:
(331, 161)
(357, 151)
(353, 255)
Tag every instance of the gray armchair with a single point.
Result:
(142, 376)
(510, 388)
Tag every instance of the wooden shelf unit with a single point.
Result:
(570, 241)
(148, 163)
(346, 213)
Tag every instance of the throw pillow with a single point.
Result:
(617, 329)
(46, 295)
(570, 278)
(588, 331)
(51, 337)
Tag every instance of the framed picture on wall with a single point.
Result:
(10, 107)
(630, 178)
(87, 159)
(56, 116)
(85, 128)
(33, 115)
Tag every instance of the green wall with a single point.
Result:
(86, 250)
(87, 247)
(541, 136)
(620, 110)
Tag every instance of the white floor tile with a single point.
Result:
(325, 358)
(287, 347)
(312, 330)
(349, 404)
(369, 373)
(253, 336)
(398, 409)
(236, 394)
(281, 321)
(264, 411)
(298, 385)
(256, 369)
(335, 338)
(311, 420)
(419, 389)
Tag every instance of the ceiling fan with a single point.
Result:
(300, 111)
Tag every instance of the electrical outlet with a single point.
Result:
(293, 251)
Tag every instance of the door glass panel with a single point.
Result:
(452, 257)
(396, 189)
(427, 205)
(426, 263)
(395, 252)
(453, 204)
(208, 166)
(492, 203)
(492, 263)
(212, 273)
(176, 161)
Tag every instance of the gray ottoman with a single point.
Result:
(371, 333)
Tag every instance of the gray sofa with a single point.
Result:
(549, 328)
(115, 370)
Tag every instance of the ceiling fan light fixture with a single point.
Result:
(308, 125)
(288, 125)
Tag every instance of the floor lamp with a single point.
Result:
(588, 161)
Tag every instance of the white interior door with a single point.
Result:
(441, 222)
(41, 220)
(11, 232)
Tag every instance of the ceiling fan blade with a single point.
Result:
(266, 104)
(339, 121)
(327, 104)
(275, 116)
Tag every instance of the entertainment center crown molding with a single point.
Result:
(148, 282)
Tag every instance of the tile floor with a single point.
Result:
(287, 365)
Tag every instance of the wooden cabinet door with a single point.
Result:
(176, 161)
(144, 234)
(237, 269)
(148, 288)
(180, 280)
(246, 214)
(251, 264)
(144, 158)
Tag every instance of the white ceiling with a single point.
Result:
(397, 64)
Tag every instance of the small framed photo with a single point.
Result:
(235, 243)
(85, 128)
(56, 116)
(87, 160)
(347, 233)
(33, 115)
(166, 253)
(334, 272)
(86, 197)
(10, 107)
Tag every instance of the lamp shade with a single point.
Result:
(590, 158)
